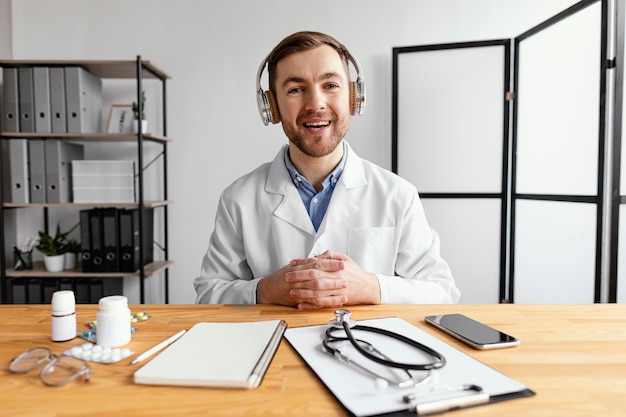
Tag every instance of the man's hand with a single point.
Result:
(331, 279)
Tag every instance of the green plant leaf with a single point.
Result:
(55, 245)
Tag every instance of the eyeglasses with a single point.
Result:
(59, 370)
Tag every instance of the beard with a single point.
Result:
(317, 146)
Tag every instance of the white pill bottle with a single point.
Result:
(113, 321)
(63, 316)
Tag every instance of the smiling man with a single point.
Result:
(319, 226)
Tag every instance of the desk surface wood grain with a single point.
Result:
(572, 356)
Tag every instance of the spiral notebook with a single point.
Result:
(226, 355)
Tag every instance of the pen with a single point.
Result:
(158, 347)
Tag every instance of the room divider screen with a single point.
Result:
(450, 140)
(558, 162)
(519, 201)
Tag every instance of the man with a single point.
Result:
(320, 227)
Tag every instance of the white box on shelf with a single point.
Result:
(104, 195)
(103, 181)
(92, 167)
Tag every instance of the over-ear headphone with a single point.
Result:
(267, 103)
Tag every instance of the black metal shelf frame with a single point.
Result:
(142, 69)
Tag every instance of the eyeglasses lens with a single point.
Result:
(29, 360)
(63, 370)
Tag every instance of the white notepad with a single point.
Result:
(228, 355)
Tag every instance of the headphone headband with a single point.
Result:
(267, 104)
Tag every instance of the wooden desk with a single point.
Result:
(572, 356)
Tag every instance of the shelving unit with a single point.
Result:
(133, 70)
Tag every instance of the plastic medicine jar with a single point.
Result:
(113, 321)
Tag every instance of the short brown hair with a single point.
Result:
(299, 42)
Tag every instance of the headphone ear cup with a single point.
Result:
(272, 107)
(352, 98)
(264, 107)
(357, 98)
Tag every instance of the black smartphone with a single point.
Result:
(472, 332)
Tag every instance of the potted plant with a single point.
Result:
(140, 117)
(53, 249)
(72, 248)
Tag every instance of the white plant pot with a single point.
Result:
(54, 263)
(144, 126)
(70, 260)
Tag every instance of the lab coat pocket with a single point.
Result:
(373, 248)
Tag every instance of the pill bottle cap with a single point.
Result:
(63, 303)
(113, 302)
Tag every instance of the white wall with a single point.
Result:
(212, 50)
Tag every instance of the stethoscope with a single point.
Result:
(342, 321)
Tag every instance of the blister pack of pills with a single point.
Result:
(91, 335)
(135, 318)
(95, 353)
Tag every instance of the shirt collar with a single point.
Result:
(332, 178)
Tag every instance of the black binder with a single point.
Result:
(129, 238)
(85, 241)
(110, 242)
(34, 291)
(48, 287)
(95, 234)
(96, 290)
(19, 290)
(110, 239)
(66, 284)
(82, 291)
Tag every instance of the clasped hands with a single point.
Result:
(330, 279)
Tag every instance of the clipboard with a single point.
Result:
(463, 382)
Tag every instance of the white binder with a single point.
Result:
(10, 101)
(18, 171)
(37, 169)
(26, 99)
(57, 100)
(59, 157)
(41, 89)
(83, 100)
(95, 103)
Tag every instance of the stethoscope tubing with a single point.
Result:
(439, 362)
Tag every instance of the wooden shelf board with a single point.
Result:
(86, 137)
(146, 204)
(39, 271)
(123, 69)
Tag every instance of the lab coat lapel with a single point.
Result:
(342, 204)
(291, 209)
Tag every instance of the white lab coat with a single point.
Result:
(374, 216)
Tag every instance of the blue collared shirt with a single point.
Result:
(315, 203)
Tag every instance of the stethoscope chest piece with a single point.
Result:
(342, 316)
